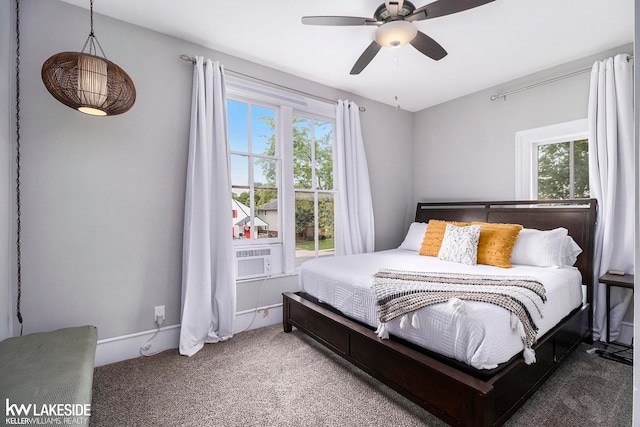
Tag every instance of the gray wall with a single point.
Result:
(465, 149)
(103, 197)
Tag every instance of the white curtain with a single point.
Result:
(611, 182)
(208, 275)
(354, 222)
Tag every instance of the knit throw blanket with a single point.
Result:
(399, 293)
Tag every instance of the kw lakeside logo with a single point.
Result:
(47, 414)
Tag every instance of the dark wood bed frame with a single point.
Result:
(458, 397)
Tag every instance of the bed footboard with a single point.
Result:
(448, 393)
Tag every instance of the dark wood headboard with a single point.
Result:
(577, 216)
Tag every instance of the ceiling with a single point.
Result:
(487, 45)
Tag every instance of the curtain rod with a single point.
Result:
(288, 89)
(544, 82)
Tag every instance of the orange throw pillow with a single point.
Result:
(496, 243)
(434, 235)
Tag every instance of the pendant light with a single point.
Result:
(87, 82)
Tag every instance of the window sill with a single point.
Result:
(273, 276)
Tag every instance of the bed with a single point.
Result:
(463, 384)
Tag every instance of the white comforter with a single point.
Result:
(480, 336)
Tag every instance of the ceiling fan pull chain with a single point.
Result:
(396, 98)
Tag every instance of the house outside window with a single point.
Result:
(281, 162)
(552, 162)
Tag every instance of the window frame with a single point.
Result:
(527, 143)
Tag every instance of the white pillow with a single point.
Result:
(539, 248)
(460, 244)
(415, 236)
(570, 251)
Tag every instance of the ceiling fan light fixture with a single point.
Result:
(396, 33)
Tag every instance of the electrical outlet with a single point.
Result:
(159, 313)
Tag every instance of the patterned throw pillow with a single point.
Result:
(460, 244)
(433, 236)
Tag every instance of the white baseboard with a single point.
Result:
(117, 349)
(264, 316)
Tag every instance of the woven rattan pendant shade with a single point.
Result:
(87, 82)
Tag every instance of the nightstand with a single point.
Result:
(610, 280)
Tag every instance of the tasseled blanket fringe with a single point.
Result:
(382, 331)
(397, 290)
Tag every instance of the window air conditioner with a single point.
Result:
(258, 261)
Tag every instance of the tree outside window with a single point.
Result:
(552, 162)
(313, 183)
(563, 170)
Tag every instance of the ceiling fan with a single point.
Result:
(394, 19)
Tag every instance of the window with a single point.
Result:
(254, 164)
(552, 162)
(313, 183)
(563, 170)
(281, 160)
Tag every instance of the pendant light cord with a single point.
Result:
(92, 40)
(18, 225)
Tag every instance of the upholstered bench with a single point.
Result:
(52, 372)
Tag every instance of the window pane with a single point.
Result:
(266, 218)
(581, 169)
(553, 171)
(264, 172)
(306, 223)
(323, 134)
(241, 215)
(238, 123)
(263, 135)
(302, 153)
(325, 225)
(305, 227)
(239, 171)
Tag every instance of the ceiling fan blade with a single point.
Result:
(444, 7)
(366, 57)
(428, 46)
(338, 20)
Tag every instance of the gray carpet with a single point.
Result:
(265, 377)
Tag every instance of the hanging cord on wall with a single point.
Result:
(255, 311)
(18, 225)
(144, 350)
